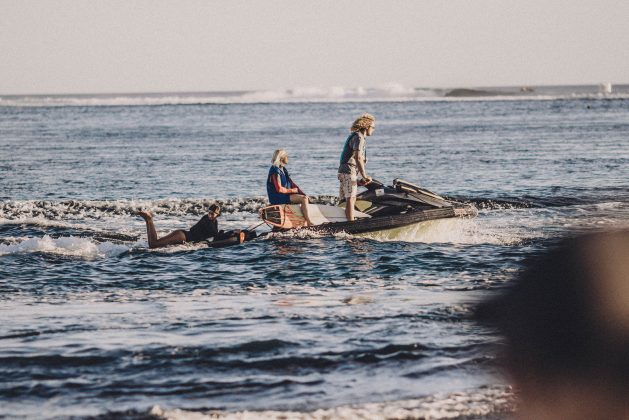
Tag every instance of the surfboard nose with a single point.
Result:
(273, 215)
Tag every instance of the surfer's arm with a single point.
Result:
(280, 189)
(299, 190)
(361, 165)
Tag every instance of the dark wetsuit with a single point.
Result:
(204, 229)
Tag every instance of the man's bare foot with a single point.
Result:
(146, 215)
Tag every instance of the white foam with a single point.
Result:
(306, 94)
(394, 89)
(475, 403)
(610, 205)
(298, 233)
(463, 231)
(69, 246)
(22, 210)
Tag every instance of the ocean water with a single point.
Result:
(92, 323)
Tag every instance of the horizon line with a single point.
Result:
(237, 91)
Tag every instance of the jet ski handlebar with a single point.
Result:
(373, 185)
(398, 184)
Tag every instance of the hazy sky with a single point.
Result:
(83, 46)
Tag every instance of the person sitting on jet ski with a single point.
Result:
(204, 229)
(281, 189)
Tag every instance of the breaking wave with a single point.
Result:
(390, 92)
(96, 209)
(22, 210)
(66, 246)
(556, 197)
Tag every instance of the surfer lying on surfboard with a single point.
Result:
(281, 189)
(204, 229)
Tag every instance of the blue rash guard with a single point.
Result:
(276, 197)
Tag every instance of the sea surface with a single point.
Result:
(94, 324)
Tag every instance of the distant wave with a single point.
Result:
(560, 197)
(461, 93)
(393, 92)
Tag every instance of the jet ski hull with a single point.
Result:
(391, 223)
(279, 217)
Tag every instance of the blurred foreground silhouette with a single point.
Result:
(565, 324)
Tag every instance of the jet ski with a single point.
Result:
(379, 208)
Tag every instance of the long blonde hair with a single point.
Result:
(362, 123)
(277, 157)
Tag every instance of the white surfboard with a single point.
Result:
(320, 213)
(287, 216)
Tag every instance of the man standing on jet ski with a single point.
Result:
(353, 161)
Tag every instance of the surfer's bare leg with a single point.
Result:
(173, 238)
(150, 227)
(349, 208)
(176, 237)
(347, 190)
(302, 200)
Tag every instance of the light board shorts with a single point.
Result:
(348, 185)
